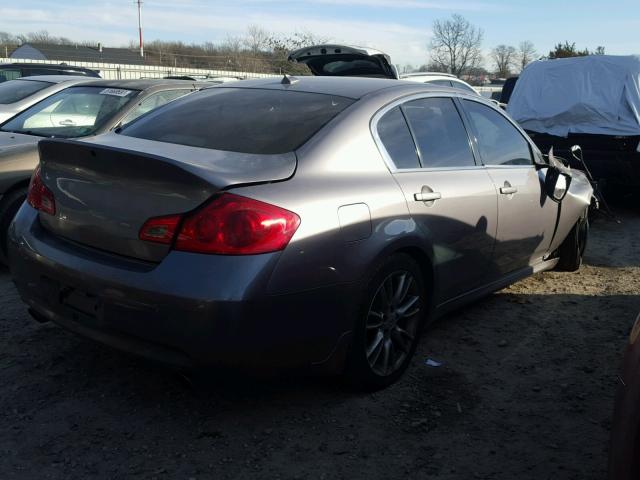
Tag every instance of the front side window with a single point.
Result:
(73, 112)
(499, 142)
(439, 132)
(154, 101)
(244, 120)
(16, 90)
(395, 136)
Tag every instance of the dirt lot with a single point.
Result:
(526, 391)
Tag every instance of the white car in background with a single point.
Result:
(436, 78)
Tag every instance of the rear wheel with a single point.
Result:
(572, 249)
(390, 317)
(10, 205)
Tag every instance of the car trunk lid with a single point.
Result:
(345, 61)
(104, 193)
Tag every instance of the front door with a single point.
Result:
(526, 215)
(452, 199)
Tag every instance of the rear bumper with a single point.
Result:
(188, 310)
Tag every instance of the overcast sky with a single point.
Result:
(398, 27)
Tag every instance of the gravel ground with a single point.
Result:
(525, 391)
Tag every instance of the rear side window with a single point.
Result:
(35, 71)
(500, 143)
(16, 90)
(152, 102)
(464, 87)
(439, 132)
(396, 138)
(442, 83)
(240, 119)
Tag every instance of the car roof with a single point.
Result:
(351, 87)
(43, 65)
(143, 84)
(56, 78)
(427, 74)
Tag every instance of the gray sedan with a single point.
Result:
(313, 222)
(82, 110)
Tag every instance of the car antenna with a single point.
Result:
(289, 80)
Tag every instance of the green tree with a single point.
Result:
(566, 50)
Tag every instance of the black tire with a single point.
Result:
(400, 331)
(9, 206)
(572, 248)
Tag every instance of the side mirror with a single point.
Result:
(576, 152)
(556, 183)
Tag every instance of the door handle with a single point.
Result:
(427, 196)
(508, 190)
(67, 123)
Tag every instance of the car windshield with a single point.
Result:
(15, 90)
(240, 119)
(73, 112)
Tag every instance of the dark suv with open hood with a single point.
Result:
(345, 61)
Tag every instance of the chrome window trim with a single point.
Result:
(373, 126)
(509, 167)
(438, 169)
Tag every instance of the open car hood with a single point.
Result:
(345, 61)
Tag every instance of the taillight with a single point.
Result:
(160, 229)
(234, 225)
(39, 196)
(229, 225)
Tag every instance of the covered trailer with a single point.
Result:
(591, 101)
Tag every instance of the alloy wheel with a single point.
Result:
(392, 322)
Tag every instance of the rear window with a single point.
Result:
(72, 112)
(240, 119)
(16, 90)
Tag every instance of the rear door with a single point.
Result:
(526, 215)
(452, 199)
(345, 61)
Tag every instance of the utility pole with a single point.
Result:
(139, 2)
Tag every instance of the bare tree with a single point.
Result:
(433, 67)
(526, 53)
(256, 39)
(503, 57)
(279, 42)
(455, 45)
(43, 36)
(408, 68)
(7, 38)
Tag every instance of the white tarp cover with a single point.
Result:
(598, 94)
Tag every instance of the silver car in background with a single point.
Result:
(81, 110)
(311, 222)
(18, 95)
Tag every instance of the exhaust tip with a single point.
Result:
(38, 317)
